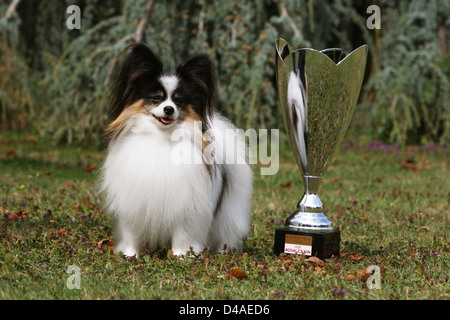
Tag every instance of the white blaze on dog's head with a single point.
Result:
(162, 103)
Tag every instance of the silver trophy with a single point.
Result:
(318, 92)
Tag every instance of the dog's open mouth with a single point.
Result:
(163, 120)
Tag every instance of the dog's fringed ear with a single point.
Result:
(201, 71)
(138, 65)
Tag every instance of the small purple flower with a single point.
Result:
(336, 291)
(278, 293)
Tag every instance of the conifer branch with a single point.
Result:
(143, 22)
(12, 8)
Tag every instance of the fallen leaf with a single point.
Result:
(61, 233)
(13, 217)
(315, 261)
(68, 186)
(409, 166)
(30, 139)
(362, 273)
(356, 257)
(103, 242)
(287, 185)
(285, 259)
(350, 277)
(237, 273)
(319, 270)
(24, 215)
(90, 167)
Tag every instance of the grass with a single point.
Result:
(390, 203)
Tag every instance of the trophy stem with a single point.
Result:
(311, 184)
(309, 215)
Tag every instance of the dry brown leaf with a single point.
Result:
(103, 242)
(362, 273)
(356, 257)
(13, 216)
(409, 166)
(351, 277)
(90, 167)
(68, 186)
(319, 271)
(287, 185)
(61, 233)
(24, 215)
(30, 139)
(315, 261)
(237, 273)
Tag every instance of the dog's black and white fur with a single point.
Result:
(175, 175)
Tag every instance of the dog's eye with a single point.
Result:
(156, 98)
(178, 100)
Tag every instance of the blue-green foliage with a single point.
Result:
(411, 84)
(56, 80)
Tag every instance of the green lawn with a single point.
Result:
(391, 204)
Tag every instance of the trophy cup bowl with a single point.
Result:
(318, 92)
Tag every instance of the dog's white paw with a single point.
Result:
(183, 251)
(128, 251)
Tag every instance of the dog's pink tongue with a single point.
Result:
(166, 120)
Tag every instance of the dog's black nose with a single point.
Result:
(169, 110)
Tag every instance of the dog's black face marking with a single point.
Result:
(135, 78)
(192, 87)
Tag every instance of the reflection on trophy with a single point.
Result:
(318, 92)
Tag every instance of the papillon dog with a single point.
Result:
(162, 188)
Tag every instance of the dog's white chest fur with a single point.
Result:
(159, 202)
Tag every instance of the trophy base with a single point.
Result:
(321, 244)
